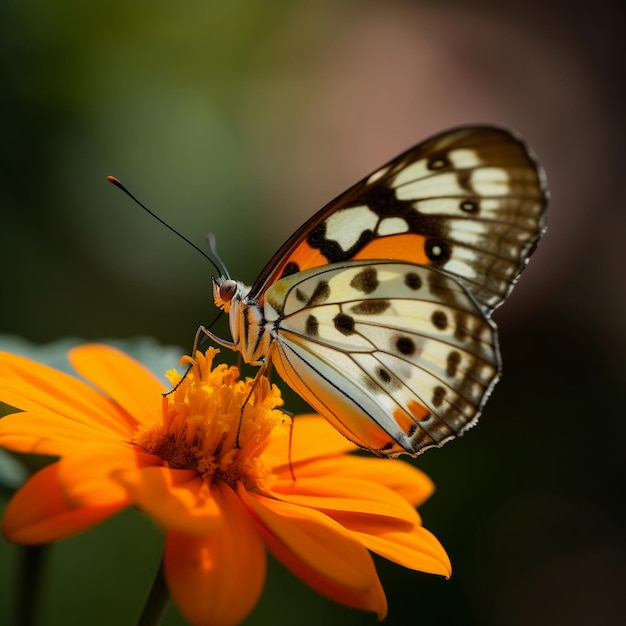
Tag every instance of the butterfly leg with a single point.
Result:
(203, 330)
(261, 372)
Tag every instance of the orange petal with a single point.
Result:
(39, 512)
(30, 386)
(49, 433)
(415, 548)
(319, 551)
(311, 437)
(126, 381)
(217, 578)
(337, 493)
(399, 476)
(88, 477)
(178, 500)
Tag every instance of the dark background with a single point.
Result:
(243, 118)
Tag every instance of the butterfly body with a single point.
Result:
(377, 310)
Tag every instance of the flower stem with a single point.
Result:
(32, 562)
(157, 601)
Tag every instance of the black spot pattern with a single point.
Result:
(413, 281)
(387, 379)
(370, 307)
(321, 293)
(454, 359)
(469, 206)
(312, 326)
(460, 326)
(384, 375)
(290, 268)
(405, 345)
(438, 286)
(437, 250)
(438, 162)
(366, 281)
(439, 393)
(344, 324)
(300, 295)
(439, 320)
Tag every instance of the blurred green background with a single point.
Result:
(243, 118)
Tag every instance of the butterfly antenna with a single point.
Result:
(119, 185)
(212, 242)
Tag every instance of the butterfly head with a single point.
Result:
(224, 290)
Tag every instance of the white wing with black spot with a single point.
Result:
(399, 357)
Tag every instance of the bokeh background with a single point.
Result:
(243, 118)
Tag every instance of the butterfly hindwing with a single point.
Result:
(469, 201)
(398, 357)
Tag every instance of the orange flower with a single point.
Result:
(221, 487)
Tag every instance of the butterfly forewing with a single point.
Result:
(397, 356)
(377, 310)
(470, 201)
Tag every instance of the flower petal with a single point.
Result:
(399, 476)
(30, 386)
(414, 547)
(217, 578)
(39, 512)
(178, 500)
(311, 437)
(353, 495)
(126, 381)
(49, 433)
(319, 551)
(88, 478)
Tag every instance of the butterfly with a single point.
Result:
(377, 310)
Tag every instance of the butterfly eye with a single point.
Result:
(227, 290)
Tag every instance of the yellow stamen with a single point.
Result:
(203, 422)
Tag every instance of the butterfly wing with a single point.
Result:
(470, 201)
(398, 357)
(377, 310)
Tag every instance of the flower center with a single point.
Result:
(205, 429)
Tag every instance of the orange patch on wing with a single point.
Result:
(407, 247)
(404, 421)
(417, 410)
(306, 258)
